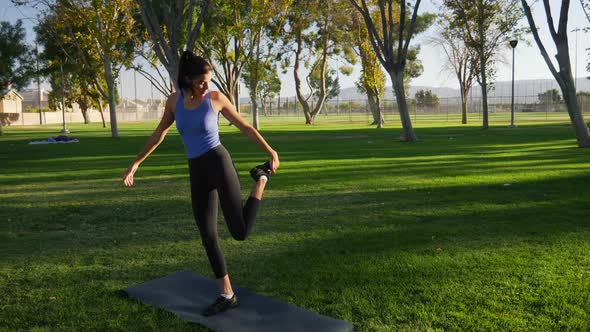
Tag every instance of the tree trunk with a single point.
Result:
(375, 109)
(237, 98)
(255, 122)
(463, 106)
(398, 89)
(85, 114)
(104, 124)
(484, 95)
(482, 66)
(566, 83)
(263, 102)
(302, 101)
(111, 94)
(576, 116)
(84, 107)
(564, 75)
(323, 93)
(173, 72)
(254, 85)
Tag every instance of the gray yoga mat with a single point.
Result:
(186, 293)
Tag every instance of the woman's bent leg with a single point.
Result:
(240, 219)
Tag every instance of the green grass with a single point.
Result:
(464, 230)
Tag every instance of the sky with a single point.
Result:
(529, 63)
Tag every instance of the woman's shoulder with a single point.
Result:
(218, 97)
(172, 99)
(214, 95)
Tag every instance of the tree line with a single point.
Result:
(91, 41)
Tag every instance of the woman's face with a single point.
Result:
(201, 83)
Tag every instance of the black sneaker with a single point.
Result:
(221, 304)
(261, 170)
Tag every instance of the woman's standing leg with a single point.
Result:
(204, 200)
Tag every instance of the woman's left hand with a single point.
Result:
(274, 162)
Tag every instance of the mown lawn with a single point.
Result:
(464, 230)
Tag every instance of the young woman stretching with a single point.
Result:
(212, 173)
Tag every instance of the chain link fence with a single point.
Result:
(529, 108)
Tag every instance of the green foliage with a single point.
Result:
(462, 61)
(549, 96)
(426, 98)
(317, 31)
(232, 35)
(16, 58)
(389, 36)
(80, 75)
(331, 81)
(485, 26)
(270, 88)
(102, 32)
(268, 84)
(36, 109)
(372, 80)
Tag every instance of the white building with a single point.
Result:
(11, 103)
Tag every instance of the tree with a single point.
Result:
(16, 63)
(225, 46)
(317, 31)
(564, 76)
(172, 26)
(484, 26)
(102, 29)
(372, 80)
(78, 76)
(331, 81)
(269, 88)
(16, 57)
(264, 87)
(462, 61)
(586, 8)
(425, 98)
(550, 96)
(235, 36)
(391, 44)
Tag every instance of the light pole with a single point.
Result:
(64, 130)
(135, 87)
(513, 43)
(338, 95)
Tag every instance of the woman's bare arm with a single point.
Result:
(154, 140)
(229, 112)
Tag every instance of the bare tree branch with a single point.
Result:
(534, 30)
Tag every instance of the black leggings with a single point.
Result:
(214, 178)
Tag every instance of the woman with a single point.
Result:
(212, 173)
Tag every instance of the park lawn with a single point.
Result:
(465, 229)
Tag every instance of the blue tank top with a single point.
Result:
(198, 127)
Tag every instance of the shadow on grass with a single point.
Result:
(484, 214)
(97, 158)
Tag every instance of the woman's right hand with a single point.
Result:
(128, 175)
(274, 162)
